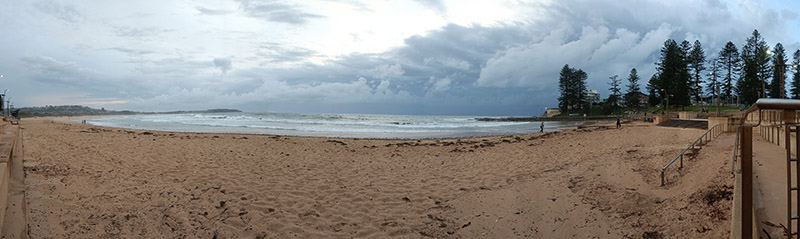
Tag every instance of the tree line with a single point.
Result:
(683, 73)
(572, 85)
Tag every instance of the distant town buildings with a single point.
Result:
(643, 101)
(592, 96)
(552, 112)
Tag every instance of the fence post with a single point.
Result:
(746, 164)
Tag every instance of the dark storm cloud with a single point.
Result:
(431, 74)
(277, 11)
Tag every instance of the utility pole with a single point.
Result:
(717, 99)
(783, 85)
(763, 86)
(666, 107)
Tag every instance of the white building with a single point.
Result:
(592, 96)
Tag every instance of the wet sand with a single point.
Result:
(85, 181)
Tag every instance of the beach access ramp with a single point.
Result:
(683, 123)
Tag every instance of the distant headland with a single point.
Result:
(79, 110)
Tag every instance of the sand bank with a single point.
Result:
(92, 182)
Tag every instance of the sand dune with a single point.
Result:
(86, 181)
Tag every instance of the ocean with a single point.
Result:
(327, 125)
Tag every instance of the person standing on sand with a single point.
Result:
(618, 124)
(541, 127)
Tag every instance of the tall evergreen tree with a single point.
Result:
(632, 94)
(572, 84)
(796, 76)
(731, 65)
(615, 92)
(673, 73)
(755, 68)
(778, 86)
(686, 47)
(652, 90)
(697, 61)
(712, 83)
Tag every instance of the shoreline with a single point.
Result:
(333, 135)
(556, 118)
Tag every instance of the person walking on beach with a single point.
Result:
(618, 124)
(541, 127)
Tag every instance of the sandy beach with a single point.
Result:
(85, 181)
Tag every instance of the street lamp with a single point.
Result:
(783, 85)
(714, 79)
(666, 97)
(8, 107)
(782, 75)
(763, 90)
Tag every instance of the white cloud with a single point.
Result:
(449, 62)
(596, 50)
(530, 65)
(440, 85)
(386, 71)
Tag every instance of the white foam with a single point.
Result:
(325, 124)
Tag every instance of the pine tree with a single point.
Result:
(673, 73)
(613, 99)
(652, 90)
(572, 85)
(796, 77)
(712, 83)
(755, 68)
(777, 88)
(565, 101)
(631, 97)
(731, 65)
(697, 61)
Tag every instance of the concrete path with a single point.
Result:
(769, 188)
(15, 222)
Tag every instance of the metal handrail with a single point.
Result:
(746, 167)
(715, 133)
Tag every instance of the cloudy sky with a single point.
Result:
(459, 57)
